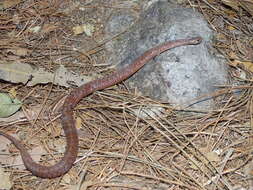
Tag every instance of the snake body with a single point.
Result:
(67, 120)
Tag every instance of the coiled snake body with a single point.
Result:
(72, 100)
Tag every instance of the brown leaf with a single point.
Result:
(231, 3)
(5, 182)
(47, 28)
(247, 5)
(10, 3)
(3, 149)
(247, 65)
(19, 51)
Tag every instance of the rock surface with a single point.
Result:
(178, 76)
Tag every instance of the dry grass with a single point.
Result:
(119, 147)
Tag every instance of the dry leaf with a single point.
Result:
(21, 51)
(231, 3)
(247, 65)
(10, 3)
(4, 149)
(26, 74)
(13, 91)
(47, 28)
(77, 30)
(35, 29)
(231, 28)
(247, 5)
(5, 158)
(212, 156)
(5, 182)
(88, 29)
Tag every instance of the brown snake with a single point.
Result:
(72, 100)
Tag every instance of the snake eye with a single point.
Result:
(199, 39)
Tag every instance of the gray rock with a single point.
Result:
(178, 76)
